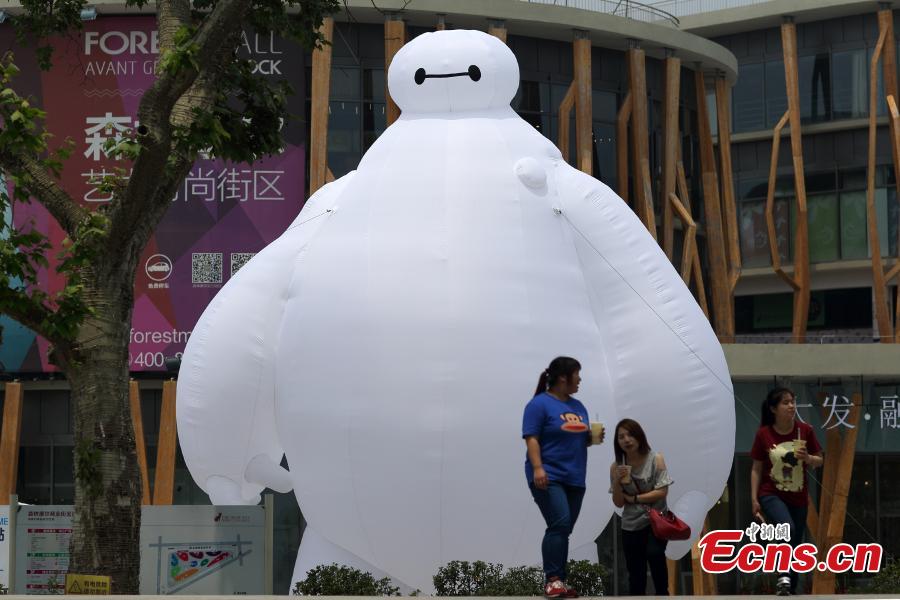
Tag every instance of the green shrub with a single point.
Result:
(340, 580)
(887, 581)
(462, 578)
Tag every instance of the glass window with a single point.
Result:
(850, 84)
(344, 83)
(822, 216)
(853, 225)
(373, 84)
(605, 153)
(754, 239)
(881, 213)
(374, 123)
(63, 475)
(528, 97)
(34, 484)
(775, 92)
(861, 523)
(748, 107)
(605, 106)
(889, 494)
(815, 88)
(713, 112)
(344, 147)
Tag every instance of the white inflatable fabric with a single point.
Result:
(389, 340)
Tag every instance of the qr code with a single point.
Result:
(206, 267)
(239, 259)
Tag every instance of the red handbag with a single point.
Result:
(666, 526)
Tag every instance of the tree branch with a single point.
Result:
(24, 309)
(212, 41)
(46, 190)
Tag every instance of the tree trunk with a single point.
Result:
(108, 492)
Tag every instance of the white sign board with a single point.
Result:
(203, 550)
(42, 548)
(4, 545)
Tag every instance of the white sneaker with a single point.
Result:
(783, 587)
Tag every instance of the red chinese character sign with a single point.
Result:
(388, 341)
(220, 217)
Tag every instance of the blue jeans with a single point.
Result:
(560, 504)
(777, 511)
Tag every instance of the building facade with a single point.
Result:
(713, 85)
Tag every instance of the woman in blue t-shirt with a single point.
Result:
(556, 430)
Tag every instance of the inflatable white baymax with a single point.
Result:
(389, 340)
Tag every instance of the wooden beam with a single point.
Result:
(9, 439)
(812, 521)
(722, 296)
(671, 141)
(673, 569)
(729, 207)
(704, 583)
(167, 446)
(622, 120)
(319, 95)
(690, 237)
(394, 38)
(584, 113)
(889, 73)
(134, 399)
(562, 118)
(879, 290)
(770, 206)
(696, 272)
(640, 135)
(801, 230)
(823, 581)
(497, 29)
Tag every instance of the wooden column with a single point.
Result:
(134, 398)
(622, 121)
(704, 583)
(722, 297)
(673, 568)
(889, 71)
(640, 151)
(801, 230)
(584, 113)
(729, 208)
(696, 272)
(671, 139)
(562, 120)
(394, 38)
(319, 94)
(497, 28)
(886, 51)
(9, 439)
(166, 448)
(833, 532)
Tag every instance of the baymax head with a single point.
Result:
(453, 71)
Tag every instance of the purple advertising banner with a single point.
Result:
(222, 214)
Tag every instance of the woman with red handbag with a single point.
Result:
(640, 482)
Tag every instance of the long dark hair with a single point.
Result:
(772, 400)
(636, 431)
(561, 366)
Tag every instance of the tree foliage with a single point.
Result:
(205, 98)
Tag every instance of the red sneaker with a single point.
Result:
(555, 588)
(570, 592)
